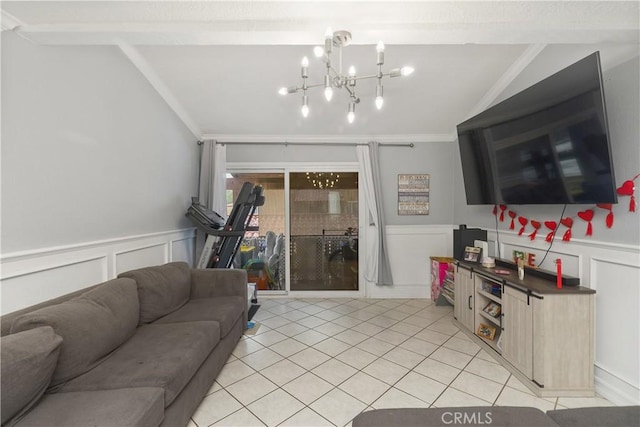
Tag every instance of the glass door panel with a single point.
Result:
(263, 252)
(323, 215)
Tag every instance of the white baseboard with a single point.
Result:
(616, 390)
(396, 291)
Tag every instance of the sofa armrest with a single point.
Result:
(216, 282)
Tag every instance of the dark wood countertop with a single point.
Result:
(536, 285)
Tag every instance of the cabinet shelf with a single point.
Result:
(494, 320)
(490, 296)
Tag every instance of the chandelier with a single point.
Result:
(323, 180)
(334, 78)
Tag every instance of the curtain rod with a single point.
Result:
(326, 144)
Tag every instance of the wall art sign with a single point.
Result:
(413, 194)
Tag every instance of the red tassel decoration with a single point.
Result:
(502, 209)
(567, 222)
(609, 219)
(626, 189)
(551, 225)
(495, 210)
(587, 216)
(523, 222)
(536, 225)
(513, 215)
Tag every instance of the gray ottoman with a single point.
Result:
(494, 416)
(606, 416)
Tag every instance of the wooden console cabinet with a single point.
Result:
(545, 336)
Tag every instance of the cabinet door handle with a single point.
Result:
(469, 302)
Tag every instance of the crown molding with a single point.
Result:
(346, 139)
(9, 22)
(156, 82)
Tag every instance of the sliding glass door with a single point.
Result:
(323, 212)
(306, 234)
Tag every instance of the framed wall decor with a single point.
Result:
(472, 253)
(413, 194)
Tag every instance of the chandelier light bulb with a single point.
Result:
(305, 105)
(379, 102)
(305, 62)
(379, 94)
(283, 91)
(352, 71)
(328, 93)
(328, 41)
(328, 34)
(351, 115)
(405, 71)
(380, 55)
(318, 51)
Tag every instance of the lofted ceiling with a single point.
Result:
(219, 64)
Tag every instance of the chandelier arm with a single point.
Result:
(307, 86)
(372, 76)
(352, 94)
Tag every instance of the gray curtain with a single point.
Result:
(213, 181)
(384, 267)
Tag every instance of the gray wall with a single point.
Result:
(621, 87)
(433, 158)
(89, 150)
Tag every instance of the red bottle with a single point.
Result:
(559, 273)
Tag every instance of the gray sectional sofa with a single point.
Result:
(139, 350)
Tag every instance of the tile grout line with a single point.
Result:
(429, 321)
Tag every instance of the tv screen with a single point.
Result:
(548, 144)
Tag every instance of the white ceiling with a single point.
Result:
(219, 64)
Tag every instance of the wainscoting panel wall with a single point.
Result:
(153, 254)
(30, 277)
(613, 270)
(410, 247)
(183, 249)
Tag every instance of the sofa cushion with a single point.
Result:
(225, 310)
(91, 325)
(613, 416)
(161, 289)
(158, 355)
(131, 407)
(28, 361)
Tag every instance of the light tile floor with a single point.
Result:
(320, 362)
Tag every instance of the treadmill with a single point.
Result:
(224, 237)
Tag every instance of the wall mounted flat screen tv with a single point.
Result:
(548, 144)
